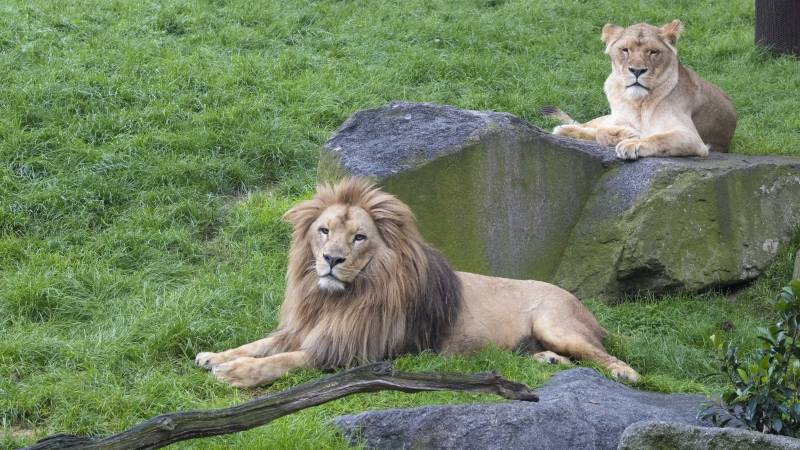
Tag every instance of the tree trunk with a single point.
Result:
(778, 25)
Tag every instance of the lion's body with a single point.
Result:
(363, 286)
(658, 106)
(519, 313)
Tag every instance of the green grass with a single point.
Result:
(148, 150)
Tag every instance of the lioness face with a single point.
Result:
(642, 56)
(343, 239)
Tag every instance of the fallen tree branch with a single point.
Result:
(173, 427)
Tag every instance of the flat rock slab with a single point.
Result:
(680, 436)
(502, 197)
(578, 409)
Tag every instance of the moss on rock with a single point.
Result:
(499, 196)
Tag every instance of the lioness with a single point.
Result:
(363, 286)
(658, 106)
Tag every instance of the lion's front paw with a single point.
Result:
(241, 372)
(623, 371)
(207, 360)
(629, 148)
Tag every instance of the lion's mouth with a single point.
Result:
(330, 282)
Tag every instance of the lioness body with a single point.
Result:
(363, 286)
(658, 106)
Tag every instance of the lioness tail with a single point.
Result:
(554, 112)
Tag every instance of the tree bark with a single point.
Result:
(778, 25)
(179, 426)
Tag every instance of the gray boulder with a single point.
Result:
(500, 196)
(680, 436)
(578, 409)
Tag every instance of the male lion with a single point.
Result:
(658, 106)
(363, 286)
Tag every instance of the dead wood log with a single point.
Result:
(179, 426)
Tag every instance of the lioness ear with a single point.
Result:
(670, 33)
(610, 34)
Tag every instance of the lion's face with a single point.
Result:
(343, 239)
(362, 285)
(643, 57)
(350, 235)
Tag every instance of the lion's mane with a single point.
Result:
(406, 299)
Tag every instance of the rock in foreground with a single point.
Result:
(578, 409)
(678, 436)
(500, 196)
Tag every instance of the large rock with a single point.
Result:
(500, 196)
(679, 436)
(578, 409)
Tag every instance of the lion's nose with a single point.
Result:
(333, 260)
(637, 72)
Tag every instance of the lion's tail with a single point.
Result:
(556, 113)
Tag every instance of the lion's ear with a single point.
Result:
(671, 32)
(394, 218)
(610, 34)
(303, 214)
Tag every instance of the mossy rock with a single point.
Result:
(680, 436)
(500, 196)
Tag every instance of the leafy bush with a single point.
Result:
(765, 395)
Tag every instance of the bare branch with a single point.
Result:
(173, 427)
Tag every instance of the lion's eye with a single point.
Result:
(323, 231)
(359, 238)
(654, 52)
(624, 50)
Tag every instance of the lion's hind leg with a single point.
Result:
(570, 127)
(603, 135)
(565, 341)
(576, 131)
(549, 357)
(618, 369)
(556, 113)
(603, 130)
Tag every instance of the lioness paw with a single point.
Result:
(613, 136)
(565, 130)
(629, 148)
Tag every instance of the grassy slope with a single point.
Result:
(148, 149)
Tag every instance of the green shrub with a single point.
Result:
(764, 395)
